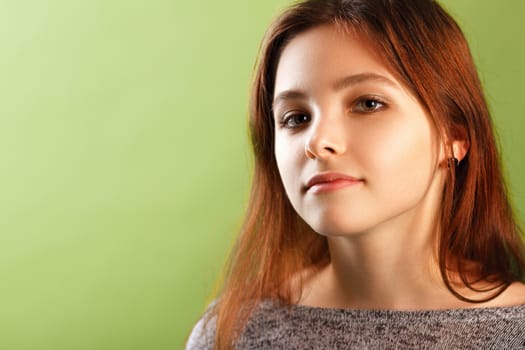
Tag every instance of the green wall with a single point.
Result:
(125, 164)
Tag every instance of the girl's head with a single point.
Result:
(422, 49)
(356, 150)
(420, 46)
(415, 101)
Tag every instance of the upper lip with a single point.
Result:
(328, 177)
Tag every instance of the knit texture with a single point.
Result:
(302, 327)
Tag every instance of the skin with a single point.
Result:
(338, 109)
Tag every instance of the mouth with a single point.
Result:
(328, 182)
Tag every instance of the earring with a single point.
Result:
(453, 162)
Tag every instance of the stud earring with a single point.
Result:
(453, 162)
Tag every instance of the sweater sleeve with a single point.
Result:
(203, 334)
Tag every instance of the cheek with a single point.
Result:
(289, 155)
(400, 154)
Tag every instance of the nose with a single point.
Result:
(327, 138)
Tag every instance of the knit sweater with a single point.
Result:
(301, 327)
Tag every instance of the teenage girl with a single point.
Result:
(378, 216)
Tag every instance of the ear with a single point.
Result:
(460, 149)
(456, 146)
(460, 144)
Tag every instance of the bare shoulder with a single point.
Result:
(514, 295)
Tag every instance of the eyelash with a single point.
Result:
(357, 107)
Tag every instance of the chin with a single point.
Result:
(337, 228)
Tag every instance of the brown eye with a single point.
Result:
(368, 104)
(293, 120)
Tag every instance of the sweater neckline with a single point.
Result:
(392, 314)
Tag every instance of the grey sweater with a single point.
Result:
(301, 327)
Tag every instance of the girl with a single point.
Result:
(378, 215)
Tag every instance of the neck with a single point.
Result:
(382, 269)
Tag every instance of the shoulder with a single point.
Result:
(514, 295)
(203, 334)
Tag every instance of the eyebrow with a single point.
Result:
(339, 84)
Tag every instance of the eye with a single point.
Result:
(294, 119)
(368, 105)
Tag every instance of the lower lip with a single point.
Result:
(333, 186)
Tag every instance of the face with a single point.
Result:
(355, 149)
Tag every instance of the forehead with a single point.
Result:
(324, 54)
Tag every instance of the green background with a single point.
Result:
(125, 163)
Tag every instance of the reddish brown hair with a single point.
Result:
(426, 50)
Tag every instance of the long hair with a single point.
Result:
(426, 50)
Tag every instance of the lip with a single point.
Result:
(328, 182)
